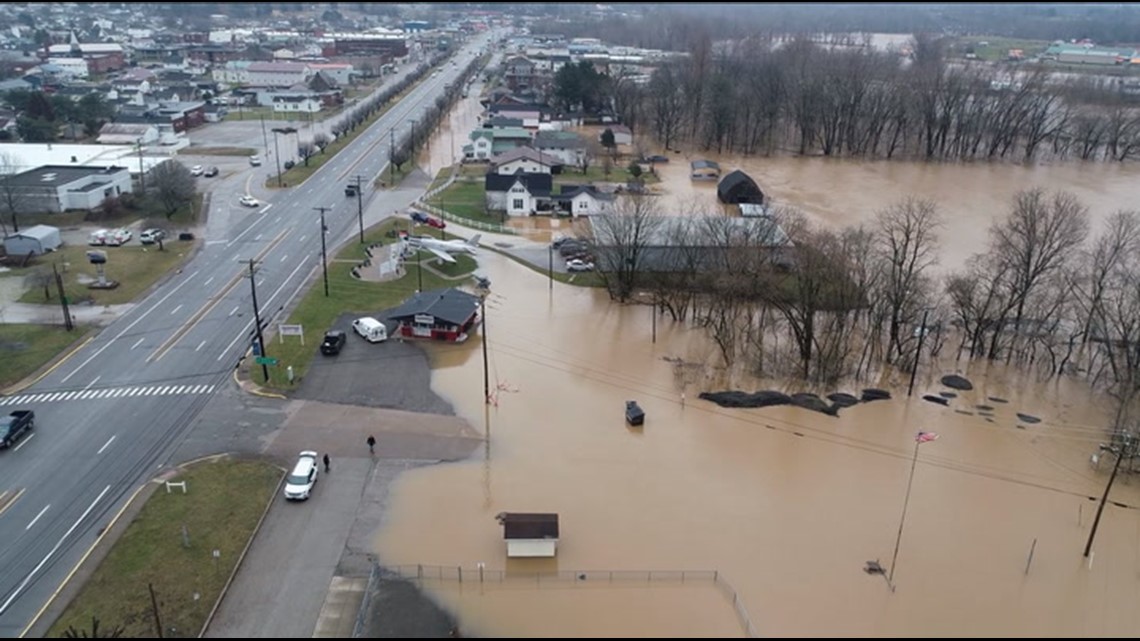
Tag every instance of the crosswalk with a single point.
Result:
(107, 393)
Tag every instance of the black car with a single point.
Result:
(211, 172)
(333, 342)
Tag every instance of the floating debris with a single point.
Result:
(842, 399)
(961, 383)
(764, 398)
(985, 408)
(1028, 418)
(966, 412)
(997, 399)
(1020, 426)
(814, 403)
(936, 399)
(947, 394)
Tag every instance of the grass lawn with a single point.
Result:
(249, 113)
(136, 267)
(224, 501)
(466, 200)
(316, 313)
(217, 151)
(393, 176)
(463, 265)
(26, 348)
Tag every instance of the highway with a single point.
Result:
(111, 414)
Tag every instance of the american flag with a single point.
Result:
(925, 437)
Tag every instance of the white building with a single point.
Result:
(524, 160)
(234, 72)
(59, 188)
(74, 67)
(278, 74)
(296, 104)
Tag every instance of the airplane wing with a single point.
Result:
(444, 256)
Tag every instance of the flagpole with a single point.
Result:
(902, 521)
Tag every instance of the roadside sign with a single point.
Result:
(266, 360)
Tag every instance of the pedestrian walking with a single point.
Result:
(328, 465)
(371, 444)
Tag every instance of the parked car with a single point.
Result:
(570, 248)
(289, 164)
(151, 236)
(255, 160)
(196, 170)
(211, 172)
(435, 222)
(370, 329)
(299, 484)
(419, 218)
(250, 201)
(657, 158)
(118, 237)
(333, 342)
(14, 426)
(98, 237)
(578, 265)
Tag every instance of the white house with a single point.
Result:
(297, 104)
(58, 188)
(524, 160)
(278, 74)
(567, 146)
(530, 535)
(482, 141)
(584, 200)
(519, 194)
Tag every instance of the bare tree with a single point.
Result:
(907, 243)
(321, 140)
(306, 150)
(1110, 253)
(1041, 235)
(173, 185)
(666, 104)
(13, 197)
(621, 241)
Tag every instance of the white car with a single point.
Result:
(196, 170)
(255, 160)
(118, 237)
(151, 236)
(98, 237)
(299, 484)
(250, 201)
(576, 265)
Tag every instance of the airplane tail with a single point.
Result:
(474, 241)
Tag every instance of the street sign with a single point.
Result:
(266, 360)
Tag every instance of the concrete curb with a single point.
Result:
(250, 387)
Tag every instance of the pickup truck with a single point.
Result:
(14, 426)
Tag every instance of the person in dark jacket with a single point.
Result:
(328, 465)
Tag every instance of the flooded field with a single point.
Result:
(784, 504)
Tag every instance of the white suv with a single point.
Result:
(299, 484)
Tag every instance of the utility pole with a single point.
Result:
(324, 258)
(486, 377)
(550, 265)
(264, 136)
(277, 157)
(360, 206)
(142, 174)
(257, 320)
(154, 609)
(392, 155)
(918, 354)
(654, 339)
(67, 324)
(1125, 449)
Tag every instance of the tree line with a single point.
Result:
(751, 98)
(780, 296)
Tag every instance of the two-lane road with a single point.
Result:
(110, 414)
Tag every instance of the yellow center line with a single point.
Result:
(211, 303)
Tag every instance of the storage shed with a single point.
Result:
(704, 170)
(529, 534)
(37, 240)
(738, 188)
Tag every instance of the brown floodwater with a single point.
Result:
(783, 504)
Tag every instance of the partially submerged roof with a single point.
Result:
(448, 305)
(528, 525)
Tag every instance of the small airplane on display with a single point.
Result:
(443, 248)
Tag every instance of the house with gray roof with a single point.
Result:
(59, 188)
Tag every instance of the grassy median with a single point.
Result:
(316, 312)
(184, 546)
(135, 267)
(25, 348)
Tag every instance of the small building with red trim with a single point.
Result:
(439, 314)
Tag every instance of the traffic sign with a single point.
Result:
(266, 360)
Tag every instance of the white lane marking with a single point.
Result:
(134, 391)
(93, 381)
(234, 310)
(266, 208)
(175, 310)
(211, 279)
(38, 517)
(247, 230)
(35, 398)
(257, 238)
(119, 392)
(8, 400)
(199, 346)
(106, 445)
(51, 397)
(103, 393)
(138, 342)
(285, 258)
(24, 442)
(28, 579)
(261, 282)
(277, 220)
(303, 238)
(128, 327)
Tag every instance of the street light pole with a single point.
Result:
(324, 257)
(277, 157)
(360, 206)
